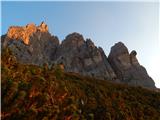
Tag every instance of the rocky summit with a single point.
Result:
(33, 44)
(127, 67)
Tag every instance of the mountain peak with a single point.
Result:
(43, 27)
(127, 67)
(73, 40)
(25, 32)
(76, 54)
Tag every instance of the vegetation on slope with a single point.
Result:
(38, 93)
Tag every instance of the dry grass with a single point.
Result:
(37, 93)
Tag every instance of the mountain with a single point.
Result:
(34, 45)
(43, 79)
(127, 67)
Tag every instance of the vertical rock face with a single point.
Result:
(33, 44)
(24, 33)
(127, 67)
(83, 57)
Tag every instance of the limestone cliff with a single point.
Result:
(127, 67)
(33, 44)
(82, 56)
(24, 33)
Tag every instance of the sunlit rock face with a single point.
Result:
(24, 33)
(33, 44)
(127, 67)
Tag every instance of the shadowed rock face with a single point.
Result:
(127, 67)
(35, 45)
(83, 57)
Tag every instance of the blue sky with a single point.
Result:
(134, 23)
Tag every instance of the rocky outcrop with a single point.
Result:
(33, 44)
(83, 57)
(76, 54)
(127, 67)
(24, 33)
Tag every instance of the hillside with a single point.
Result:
(31, 92)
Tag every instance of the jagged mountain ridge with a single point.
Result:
(33, 44)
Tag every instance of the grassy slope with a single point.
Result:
(38, 93)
